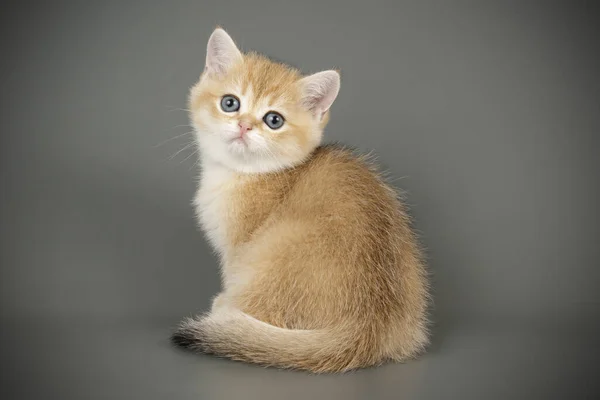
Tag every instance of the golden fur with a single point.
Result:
(321, 270)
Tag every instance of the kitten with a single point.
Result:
(320, 268)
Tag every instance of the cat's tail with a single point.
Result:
(231, 333)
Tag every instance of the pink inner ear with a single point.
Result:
(221, 52)
(320, 91)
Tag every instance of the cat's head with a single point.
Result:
(255, 115)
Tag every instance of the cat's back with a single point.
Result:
(336, 183)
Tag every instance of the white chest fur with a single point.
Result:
(212, 203)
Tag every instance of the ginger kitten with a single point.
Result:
(320, 268)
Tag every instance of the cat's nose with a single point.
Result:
(244, 127)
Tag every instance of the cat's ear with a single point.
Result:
(221, 53)
(319, 91)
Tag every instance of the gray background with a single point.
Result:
(487, 111)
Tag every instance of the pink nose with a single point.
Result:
(244, 127)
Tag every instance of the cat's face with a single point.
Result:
(254, 115)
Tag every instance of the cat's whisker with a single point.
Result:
(190, 155)
(181, 150)
(170, 109)
(173, 138)
(196, 163)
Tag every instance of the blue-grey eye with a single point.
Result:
(273, 120)
(230, 103)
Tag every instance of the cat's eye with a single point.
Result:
(230, 103)
(273, 120)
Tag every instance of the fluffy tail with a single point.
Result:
(231, 333)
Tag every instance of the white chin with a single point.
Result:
(237, 155)
(238, 147)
